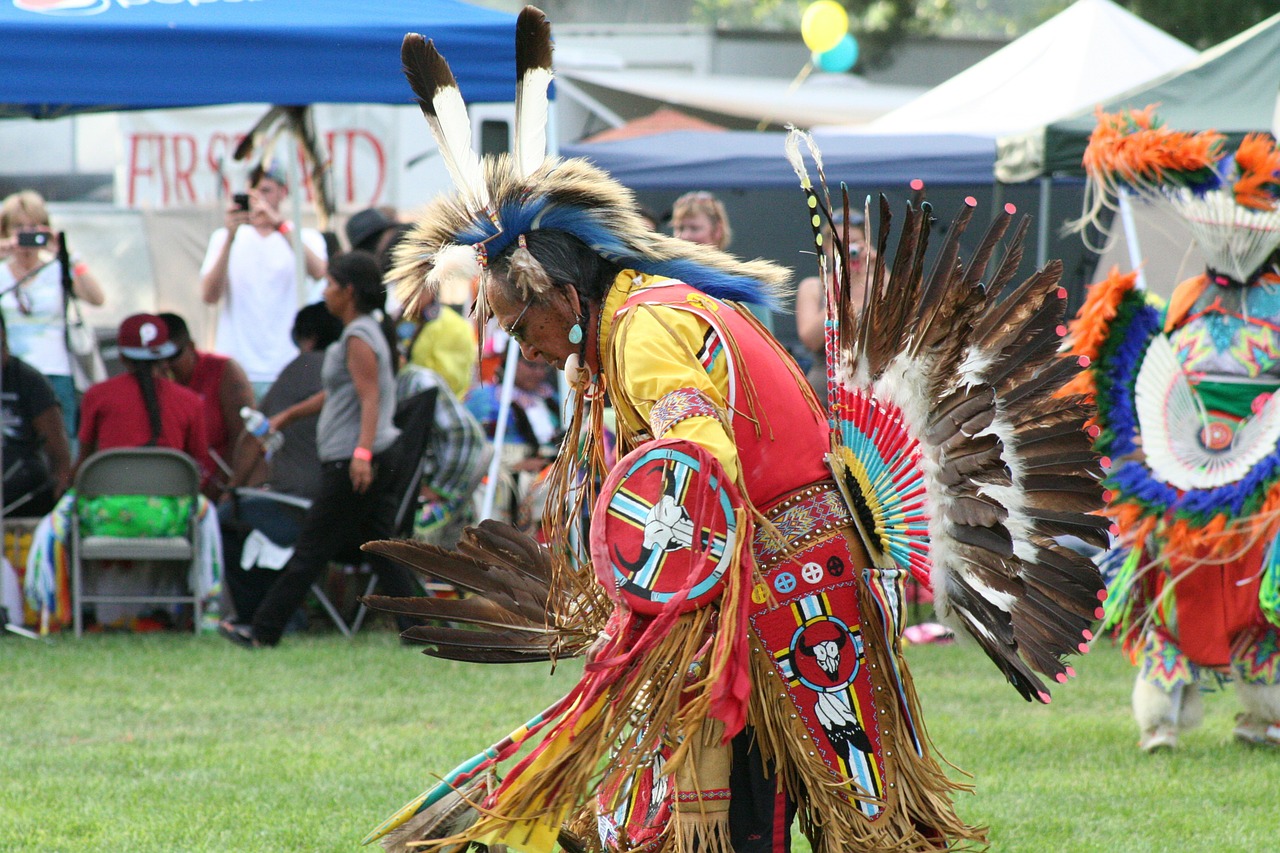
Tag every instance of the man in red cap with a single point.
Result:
(140, 408)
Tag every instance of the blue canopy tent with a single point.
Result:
(64, 56)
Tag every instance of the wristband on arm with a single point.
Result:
(364, 454)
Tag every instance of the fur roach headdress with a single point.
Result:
(1231, 201)
(502, 198)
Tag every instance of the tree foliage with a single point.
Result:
(1202, 24)
(880, 24)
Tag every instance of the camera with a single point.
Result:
(241, 200)
(33, 239)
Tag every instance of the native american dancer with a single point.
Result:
(736, 578)
(1187, 411)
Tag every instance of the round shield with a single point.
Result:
(663, 532)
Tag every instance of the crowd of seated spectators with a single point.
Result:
(354, 357)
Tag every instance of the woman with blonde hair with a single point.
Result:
(32, 297)
(700, 217)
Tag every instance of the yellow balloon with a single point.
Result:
(823, 24)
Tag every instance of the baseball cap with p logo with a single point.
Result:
(145, 337)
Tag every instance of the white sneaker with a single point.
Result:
(1159, 738)
(1256, 731)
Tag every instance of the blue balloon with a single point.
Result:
(840, 58)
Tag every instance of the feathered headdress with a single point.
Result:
(498, 199)
(1230, 201)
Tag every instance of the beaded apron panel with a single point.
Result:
(811, 630)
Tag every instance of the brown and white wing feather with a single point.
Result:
(533, 77)
(446, 113)
(509, 613)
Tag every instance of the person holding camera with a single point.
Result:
(249, 269)
(32, 296)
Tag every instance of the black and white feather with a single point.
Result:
(446, 113)
(533, 77)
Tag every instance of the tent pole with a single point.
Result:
(1131, 238)
(576, 93)
(1042, 227)
(500, 429)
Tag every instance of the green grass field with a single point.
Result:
(175, 743)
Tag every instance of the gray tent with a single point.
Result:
(747, 160)
(1231, 88)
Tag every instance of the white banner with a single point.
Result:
(183, 158)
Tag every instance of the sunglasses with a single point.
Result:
(515, 332)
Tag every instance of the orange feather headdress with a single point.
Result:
(1230, 200)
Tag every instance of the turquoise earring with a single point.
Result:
(575, 334)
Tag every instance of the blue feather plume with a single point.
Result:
(592, 229)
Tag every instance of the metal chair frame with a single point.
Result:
(156, 471)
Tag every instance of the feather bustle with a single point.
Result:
(1009, 462)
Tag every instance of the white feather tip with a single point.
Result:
(453, 274)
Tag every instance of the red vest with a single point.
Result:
(780, 431)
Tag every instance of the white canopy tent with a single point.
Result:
(819, 99)
(1085, 55)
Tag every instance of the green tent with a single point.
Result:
(1232, 88)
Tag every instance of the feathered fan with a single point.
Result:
(510, 616)
(955, 450)
(1172, 422)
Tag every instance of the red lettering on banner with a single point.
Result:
(380, 157)
(135, 169)
(184, 167)
(164, 172)
(351, 166)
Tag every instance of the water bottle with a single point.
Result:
(256, 424)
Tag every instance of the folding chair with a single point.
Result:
(151, 471)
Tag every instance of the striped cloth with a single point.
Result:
(456, 457)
